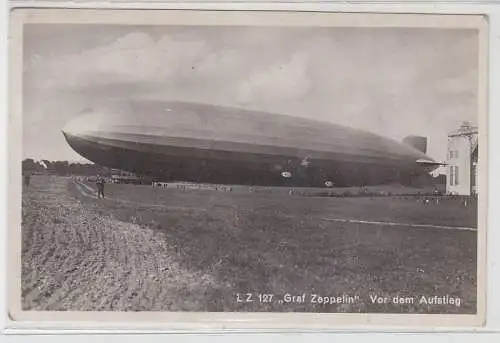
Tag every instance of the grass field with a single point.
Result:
(165, 249)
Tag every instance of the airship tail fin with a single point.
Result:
(417, 142)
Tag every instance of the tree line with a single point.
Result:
(63, 168)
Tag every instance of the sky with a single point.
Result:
(391, 81)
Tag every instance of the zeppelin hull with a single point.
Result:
(248, 148)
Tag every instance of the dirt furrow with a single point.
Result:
(75, 259)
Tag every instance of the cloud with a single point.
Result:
(135, 57)
(461, 85)
(287, 81)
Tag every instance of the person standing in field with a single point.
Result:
(100, 187)
(27, 179)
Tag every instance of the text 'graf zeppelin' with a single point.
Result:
(313, 298)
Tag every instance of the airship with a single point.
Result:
(182, 141)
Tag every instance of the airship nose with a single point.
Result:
(81, 133)
(82, 125)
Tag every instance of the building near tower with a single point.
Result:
(462, 160)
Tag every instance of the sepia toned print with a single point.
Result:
(189, 166)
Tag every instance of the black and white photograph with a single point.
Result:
(272, 166)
